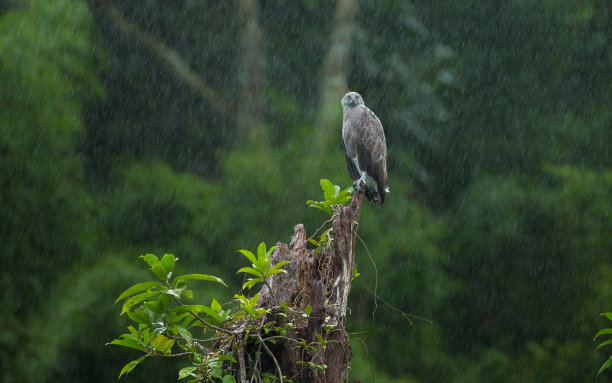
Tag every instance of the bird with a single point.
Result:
(365, 148)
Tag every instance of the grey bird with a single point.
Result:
(365, 148)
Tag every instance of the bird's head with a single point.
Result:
(351, 100)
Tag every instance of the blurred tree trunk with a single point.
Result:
(322, 281)
(251, 75)
(335, 70)
(173, 60)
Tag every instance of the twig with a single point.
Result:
(265, 281)
(282, 337)
(197, 340)
(280, 373)
(375, 273)
(220, 329)
(404, 314)
(320, 227)
(365, 346)
(171, 355)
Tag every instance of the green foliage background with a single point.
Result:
(497, 228)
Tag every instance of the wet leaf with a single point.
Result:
(138, 288)
(130, 366)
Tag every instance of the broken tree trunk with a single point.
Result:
(322, 281)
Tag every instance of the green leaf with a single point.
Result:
(328, 189)
(137, 299)
(201, 277)
(608, 315)
(174, 292)
(251, 282)
(250, 256)
(174, 317)
(321, 206)
(250, 270)
(183, 332)
(277, 268)
(605, 331)
(216, 372)
(185, 372)
(158, 306)
(138, 288)
(185, 308)
(212, 313)
(163, 344)
(132, 330)
(215, 305)
(606, 343)
(228, 357)
(280, 264)
(130, 366)
(150, 259)
(284, 306)
(605, 366)
(159, 271)
(139, 316)
(128, 340)
(271, 250)
(168, 262)
(274, 272)
(229, 379)
(261, 250)
(308, 309)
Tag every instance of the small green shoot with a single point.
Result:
(260, 265)
(333, 196)
(323, 240)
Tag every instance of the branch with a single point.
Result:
(199, 318)
(242, 373)
(172, 59)
(280, 373)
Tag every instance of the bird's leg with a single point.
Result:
(360, 184)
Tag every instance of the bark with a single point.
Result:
(323, 281)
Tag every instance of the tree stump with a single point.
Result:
(322, 281)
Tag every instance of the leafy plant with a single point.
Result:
(160, 326)
(333, 196)
(605, 331)
(164, 325)
(322, 242)
(261, 268)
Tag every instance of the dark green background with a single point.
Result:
(498, 227)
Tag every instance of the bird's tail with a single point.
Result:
(375, 196)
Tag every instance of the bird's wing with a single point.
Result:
(353, 172)
(372, 148)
